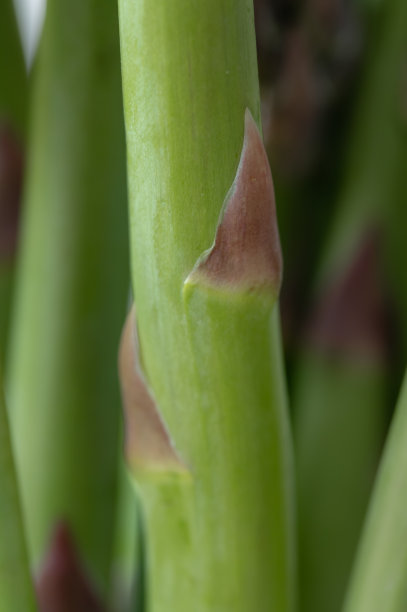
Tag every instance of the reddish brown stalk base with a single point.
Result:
(147, 443)
(62, 585)
(247, 251)
(351, 317)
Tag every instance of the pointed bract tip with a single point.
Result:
(352, 316)
(147, 442)
(246, 254)
(62, 585)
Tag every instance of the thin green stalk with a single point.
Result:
(340, 395)
(72, 287)
(340, 416)
(16, 589)
(379, 577)
(215, 479)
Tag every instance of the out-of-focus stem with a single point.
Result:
(340, 403)
(16, 589)
(339, 406)
(374, 182)
(379, 577)
(72, 287)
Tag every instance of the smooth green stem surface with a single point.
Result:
(72, 286)
(16, 589)
(339, 422)
(220, 536)
(379, 578)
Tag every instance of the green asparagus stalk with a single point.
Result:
(72, 288)
(208, 440)
(16, 589)
(380, 574)
(339, 406)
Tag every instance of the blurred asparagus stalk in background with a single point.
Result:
(215, 478)
(72, 289)
(380, 575)
(13, 111)
(16, 589)
(339, 407)
(341, 392)
(373, 187)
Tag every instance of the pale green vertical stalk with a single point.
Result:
(16, 589)
(340, 422)
(219, 524)
(379, 579)
(72, 286)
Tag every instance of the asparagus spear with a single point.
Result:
(72, 287)
(212, 459)
(339, 405)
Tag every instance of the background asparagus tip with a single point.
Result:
(247, 251)
(62, 585)
(351, 317)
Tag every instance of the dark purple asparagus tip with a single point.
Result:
(62, 585)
